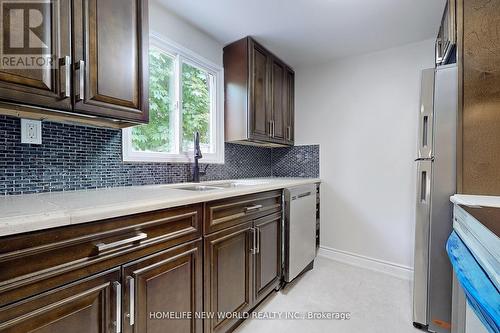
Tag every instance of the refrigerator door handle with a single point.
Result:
(425, 186)
(425, 131)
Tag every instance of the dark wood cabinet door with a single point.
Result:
(39, 68)
(166, 282)
(228, 275)
(277, 100)
(289, 106)
(268, 255)
(86, 306)
(260, 112)
(111, 58)
(71, 252)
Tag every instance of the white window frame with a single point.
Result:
(183, 55)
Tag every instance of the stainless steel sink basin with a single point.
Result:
(226, 185)
(240, 183)
(200, 188)
(219, 186)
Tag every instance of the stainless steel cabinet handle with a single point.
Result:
(105, 246)
(302, 195)
(118, 300)
(257, 247)
(254, 241)
(289, 132)
(270, 128)
(131, 300)
(66, 63)
(252, 208)
(274, 128)
(81, 75)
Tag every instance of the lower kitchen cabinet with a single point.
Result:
(152, 272)
(90, 305)
(228, 275)
(163, 283)
(267, 255)
(242, 267)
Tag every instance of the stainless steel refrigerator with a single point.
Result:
(436, 182)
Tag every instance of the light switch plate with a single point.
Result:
(31, 131)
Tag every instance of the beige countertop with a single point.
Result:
(30, 212)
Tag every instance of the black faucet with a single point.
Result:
(197, 156)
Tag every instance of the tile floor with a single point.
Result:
(377, 302)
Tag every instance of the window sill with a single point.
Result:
(164, 158)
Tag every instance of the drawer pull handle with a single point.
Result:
(252, 208)
(103, 246)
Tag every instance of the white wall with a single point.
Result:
(363, 112)
(181, 32)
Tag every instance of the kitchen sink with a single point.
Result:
(199, 188)
(240, 183)
(220, 186)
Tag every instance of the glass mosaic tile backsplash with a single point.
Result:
(74, 157)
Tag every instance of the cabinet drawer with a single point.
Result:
(38, 261)
(224, 213)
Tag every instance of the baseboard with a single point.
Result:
(399, 271)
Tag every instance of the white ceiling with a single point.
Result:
(314, 31)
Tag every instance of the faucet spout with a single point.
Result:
(197, 156)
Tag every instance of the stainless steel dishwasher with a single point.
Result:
(300, 229)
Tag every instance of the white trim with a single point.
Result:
(183, 54)
(167, 44)
(396, 270)
(132, 156)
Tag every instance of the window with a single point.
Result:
(185, 97)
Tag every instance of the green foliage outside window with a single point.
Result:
(158, 135)
(195, 106)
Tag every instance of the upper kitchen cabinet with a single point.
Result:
(110, 42)
(289, 106)
(88, 58)
(277, 100)
(37, 82)
(260, 112)
(259, 97)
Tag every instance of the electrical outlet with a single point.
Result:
(31, 131)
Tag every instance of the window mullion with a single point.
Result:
(180, 108)
(213, 113)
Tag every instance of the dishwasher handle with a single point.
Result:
(301, 195)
